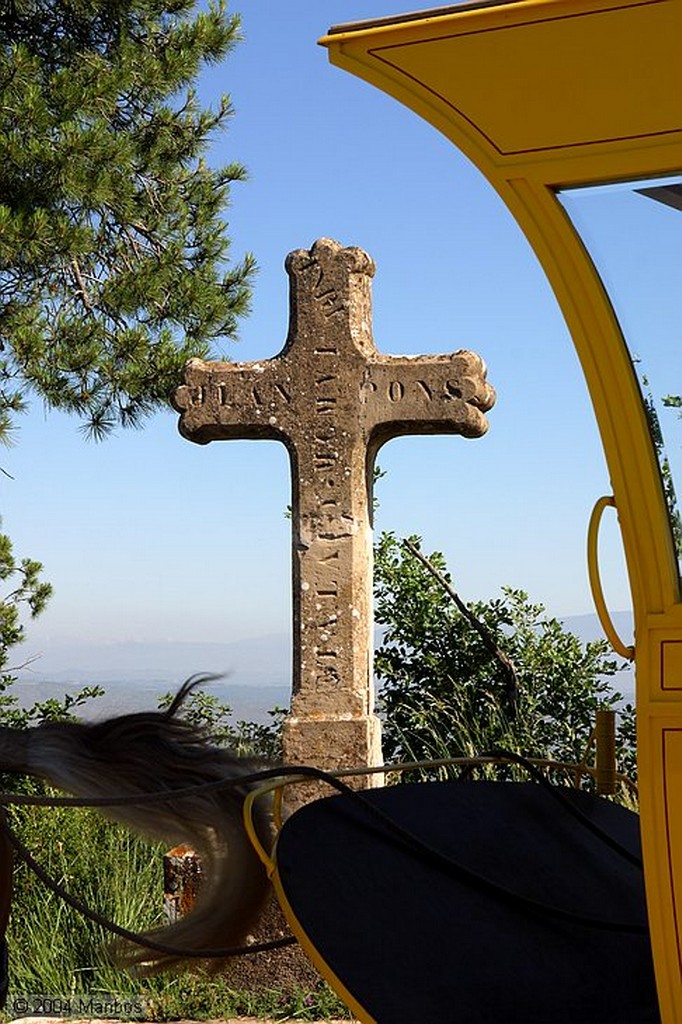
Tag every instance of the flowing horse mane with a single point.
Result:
(158, 752)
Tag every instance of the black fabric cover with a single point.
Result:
(417, 939)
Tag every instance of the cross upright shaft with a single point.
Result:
(333, 400)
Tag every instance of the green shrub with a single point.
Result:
(442, 694)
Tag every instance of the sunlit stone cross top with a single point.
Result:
(333, 400)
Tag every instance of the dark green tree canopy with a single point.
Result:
(113, 249)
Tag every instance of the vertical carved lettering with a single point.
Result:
(396, 391)
(325, 403)
(324, 460)
(328, 674)
(425, 389)
(314, 264)
(326, 295)
(330, 301)
(368, 389)
(327, 622)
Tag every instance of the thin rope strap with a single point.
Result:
(404, 837)
(116, 929)
(568, 805)
(155, 796)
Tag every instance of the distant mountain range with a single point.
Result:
(257, 672)
(262, 661)
(587, 627)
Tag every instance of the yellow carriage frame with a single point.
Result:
(545, 95)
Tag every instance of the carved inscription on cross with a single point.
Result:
(333, 400)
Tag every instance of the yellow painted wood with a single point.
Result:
(605, 619)
(543, 95)
(671, 657)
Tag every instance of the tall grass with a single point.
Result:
(57, 953)
(116, 873)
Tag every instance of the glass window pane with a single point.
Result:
(633, 233)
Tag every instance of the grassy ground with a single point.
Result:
(58, 960)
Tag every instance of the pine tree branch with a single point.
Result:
(82, 290)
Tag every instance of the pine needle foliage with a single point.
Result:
(24, 593)
(113, 247)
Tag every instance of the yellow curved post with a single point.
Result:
(610, 631)
(545, 95)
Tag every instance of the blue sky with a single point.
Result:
(147, 537)
(636, 244)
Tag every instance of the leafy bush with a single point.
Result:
(443, 695)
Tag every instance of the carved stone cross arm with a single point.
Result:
(428, 394)
(333, 400)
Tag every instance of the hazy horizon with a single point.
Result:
(256, 671)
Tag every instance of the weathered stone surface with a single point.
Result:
(333, 400)
(332, 744)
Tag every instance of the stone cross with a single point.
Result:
(333, 400)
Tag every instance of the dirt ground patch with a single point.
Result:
(287, 970)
